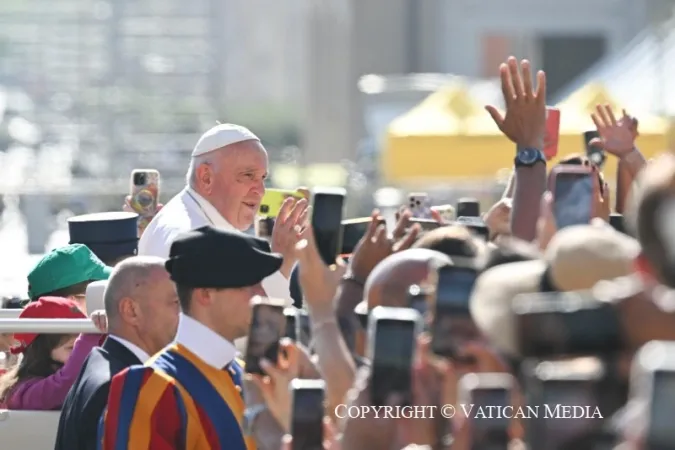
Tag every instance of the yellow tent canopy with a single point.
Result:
(449, 135)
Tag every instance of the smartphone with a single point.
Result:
(567, 393)
(327, 222)
(273, 199)
(419, 205)
(489, 395)
(268, 326)
(453, 291)
(144, 192)
(265, 226)
(392, 334)
(556, 324)
(297, 326)
(352, 232)
(551, 133)
(468, 207)
(447, 212)
(425, 224)
(616, 221)
(652, 383)
(595, 154)
(476, 225)
(574, 189)
(307, 398)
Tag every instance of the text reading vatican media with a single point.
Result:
(469, 410)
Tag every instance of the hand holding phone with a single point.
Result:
(595, 154)
(574, 190)
(268, 326)
(392, 337)
(420, 205)
(327, 222)
(308, 397)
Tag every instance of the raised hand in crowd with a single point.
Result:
(376, 245)
(524, 122)
(100, 320)
(290, 223)
(274, 386)
(616, 136)
(498, 218)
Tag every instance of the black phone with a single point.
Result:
(453, 291)
(566, 324)
(268, 326)
(476, 225)
(392, 334)
(652, 383)
(290, 323)
(573, 193)
(468, 207)
(352, 232)
(595, 154)
(566, 395)
(303, 330)
(327, 222)
(617, 222)
(308, 397)
(488, 395)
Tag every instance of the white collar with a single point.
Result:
(204, 342)
(141, 354)
(209, 211)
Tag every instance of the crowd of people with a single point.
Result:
(536, 334)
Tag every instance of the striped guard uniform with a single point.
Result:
(175, 401)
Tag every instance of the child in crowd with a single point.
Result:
(51, 362)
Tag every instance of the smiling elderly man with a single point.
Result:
(225, 185)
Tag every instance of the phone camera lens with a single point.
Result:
(139, 179)
(418, 203)
(264, 209)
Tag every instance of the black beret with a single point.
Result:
(109, 235)
(211, 258)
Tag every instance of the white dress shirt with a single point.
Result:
(188, 211)
(133, 348)
(211, 347)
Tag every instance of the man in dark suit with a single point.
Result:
(142, 310)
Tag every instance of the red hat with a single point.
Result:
(45, 308)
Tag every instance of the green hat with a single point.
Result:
(64, 267)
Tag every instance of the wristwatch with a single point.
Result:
(528, 157)
(251, 413)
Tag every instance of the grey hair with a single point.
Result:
(210, 158)
(128, 276)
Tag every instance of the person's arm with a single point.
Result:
(267, 432)
(530, 184)
(334, 361)
(624, 180)
(142, 413)
(50, 392)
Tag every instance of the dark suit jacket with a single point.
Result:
(88, 397)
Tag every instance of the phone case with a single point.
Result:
(420, 205)
(144, 192)
(274, 198)
(574, 169)
(551, 133)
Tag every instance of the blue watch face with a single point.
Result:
(528, 156)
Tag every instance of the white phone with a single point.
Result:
(420, 205)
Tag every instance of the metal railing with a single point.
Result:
(9, 313)
(51, 326)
